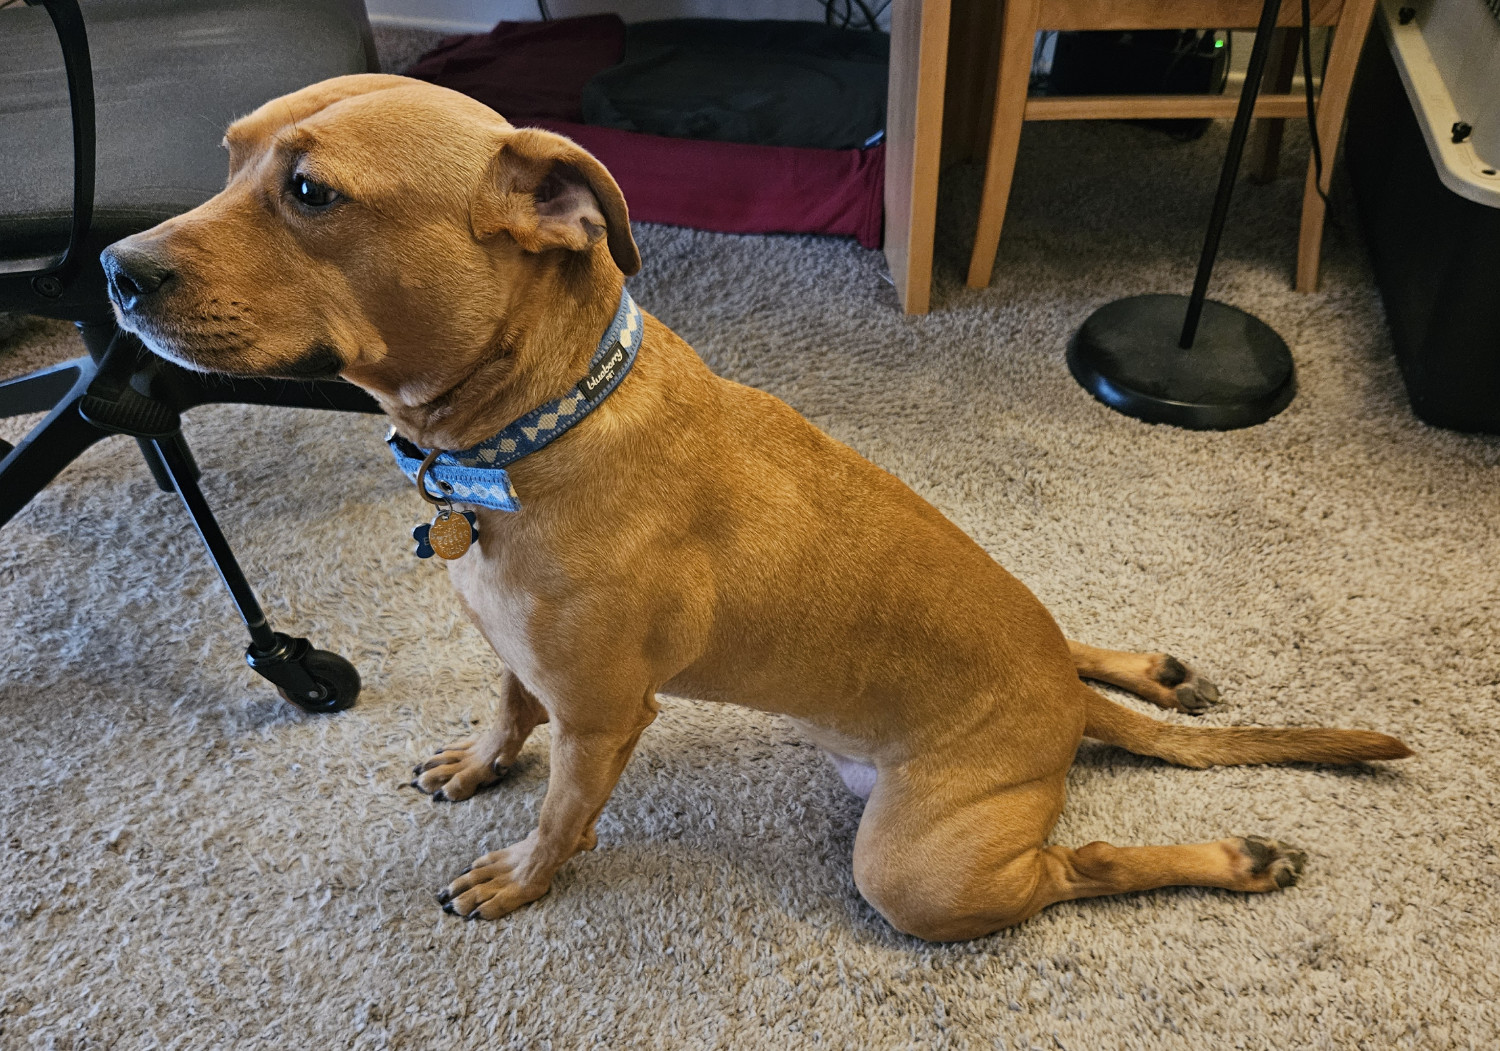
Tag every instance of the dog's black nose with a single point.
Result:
(134, 275)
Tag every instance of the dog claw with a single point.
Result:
(440, 797)
(449, 909)
(444, 896)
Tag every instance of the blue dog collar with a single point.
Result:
(477, 475)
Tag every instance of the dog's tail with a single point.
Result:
(1203, 746)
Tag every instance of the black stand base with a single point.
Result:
(1186, 360)
(1237, 374)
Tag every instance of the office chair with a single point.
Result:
(150, 103)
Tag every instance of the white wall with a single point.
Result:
(473, 16)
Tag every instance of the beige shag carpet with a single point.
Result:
(188, 862)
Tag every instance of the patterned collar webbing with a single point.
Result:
(476, 475)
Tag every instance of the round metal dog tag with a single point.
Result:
(450, 535)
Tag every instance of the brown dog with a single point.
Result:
(690, 536)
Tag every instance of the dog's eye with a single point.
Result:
(310, 193)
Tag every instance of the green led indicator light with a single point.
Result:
(1218, 43)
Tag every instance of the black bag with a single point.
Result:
(768, 83)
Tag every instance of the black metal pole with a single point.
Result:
(1258, 56)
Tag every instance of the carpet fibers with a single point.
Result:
(189, 862)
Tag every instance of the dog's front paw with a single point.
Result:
(1191, 692)
(496, 884)
(459, 770)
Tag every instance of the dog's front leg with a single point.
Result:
(464, 767)
(587, 759)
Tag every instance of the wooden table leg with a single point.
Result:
(1338, 78)
(1017, 41)
(913, 136)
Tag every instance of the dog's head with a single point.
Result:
(371, 225)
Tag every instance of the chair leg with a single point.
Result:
(1018, 25)
(159, 470)
(52, 444)
(171, 459)
(1264, 149)
(314, 680)
(39, 391)
(1338, 78)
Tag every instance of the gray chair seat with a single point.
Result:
(169, 75)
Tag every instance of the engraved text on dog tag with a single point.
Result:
(450, 535)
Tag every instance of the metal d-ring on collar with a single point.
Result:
(451, 533)
(438, 501)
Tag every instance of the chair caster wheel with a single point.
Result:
(314, 680)
(337, 682)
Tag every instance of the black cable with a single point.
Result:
(1312, 114)
(868, 15)
(1186, 44)
(541, 5)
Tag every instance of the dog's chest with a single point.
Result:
(502, 608)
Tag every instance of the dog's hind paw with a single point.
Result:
(459, 770)
(1269, 865)
(1193, 693)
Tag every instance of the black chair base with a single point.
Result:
(120, 388)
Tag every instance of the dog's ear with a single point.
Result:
(548, 192)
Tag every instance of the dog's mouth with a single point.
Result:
(320, 361)
(228, 352)
(201, 351)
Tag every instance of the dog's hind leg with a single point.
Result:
(1156, 677)
(946, 873)
(464, 767)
